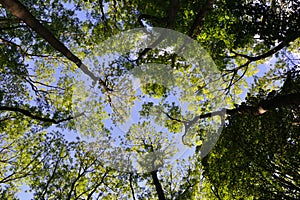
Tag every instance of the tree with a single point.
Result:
(43, 48)
(257, 156)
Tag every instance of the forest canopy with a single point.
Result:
(175, 99)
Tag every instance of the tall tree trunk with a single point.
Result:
(158, 187)
(20, 11)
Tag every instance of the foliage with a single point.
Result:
(257, 156)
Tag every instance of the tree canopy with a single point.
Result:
(174, 99)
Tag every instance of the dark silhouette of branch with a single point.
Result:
(158, 187)
(23, 172)
(36, 116)
(215, 192)
(199, 20)
(131, 186)
(261, 108)
(103, 17)
(271, 51)
(235, 71)
(251, 59)
(173, 10)
(21, 12)
(97, 185)
(172, 118)
(51, 178)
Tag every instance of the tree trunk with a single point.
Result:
(158, 187)
(21, 12)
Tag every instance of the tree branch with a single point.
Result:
(235, 71)
(261, 108)
(158, 187)
(173, 10)
(21, 12)
(97, 185)
(251, 59)
(34, 116)
(199, 20)
(215, 192)
(131, 186)
(271, 51)
(276, 102)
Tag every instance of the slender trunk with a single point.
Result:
(158, 187)
(174, 7)
(21, 12)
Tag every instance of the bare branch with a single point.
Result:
(35, 116)
(272, 51)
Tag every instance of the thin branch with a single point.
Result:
(251, 59)
(103, 17)
(272, 51)
(131, 186)
(50, 178)
(25, 52)
(172, 118)
(235, 71)
(97, 185)
(215, 192)
(43, 84)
